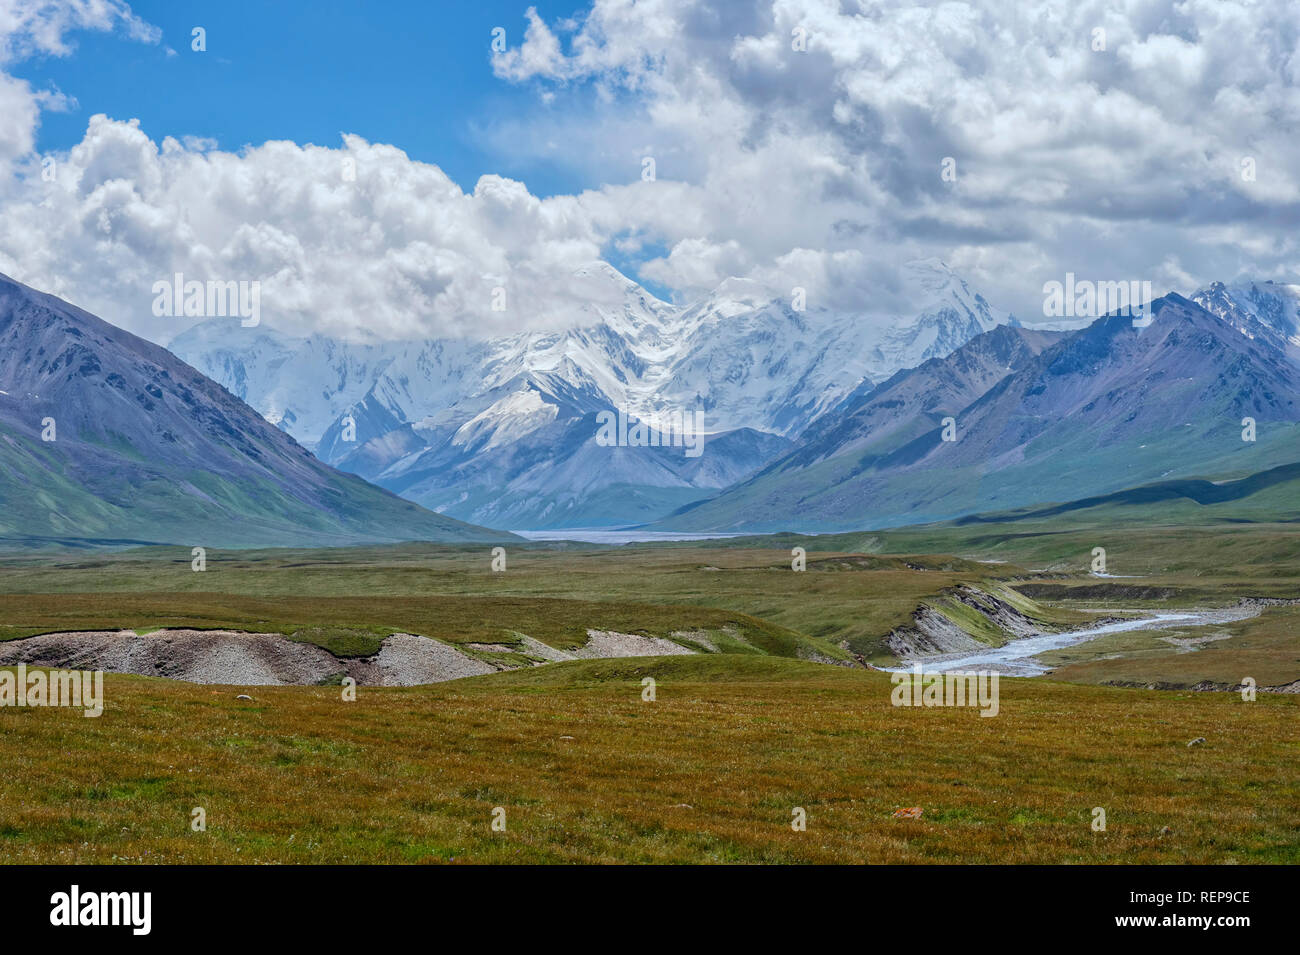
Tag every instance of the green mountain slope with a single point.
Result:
(105, 437)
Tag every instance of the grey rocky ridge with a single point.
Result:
(1038, 417)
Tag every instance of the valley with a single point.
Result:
(815, 432)
(1080, 511)
(790, 713)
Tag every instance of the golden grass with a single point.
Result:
(710, 772)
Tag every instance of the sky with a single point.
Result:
(381, 170)
(414, 74)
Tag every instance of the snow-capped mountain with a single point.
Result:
(756, 363)
(1019, 417)
(1269, 309)
(451, 422)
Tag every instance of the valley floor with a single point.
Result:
(738, 736)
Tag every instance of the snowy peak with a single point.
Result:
(734, 297)
(938, 288)
(505, 421)
(610, 297)
(412, 415)
(1270, 309)
(936, 285)
(1020, 416)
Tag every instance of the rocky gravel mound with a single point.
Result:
(270, 659)
(196, 656)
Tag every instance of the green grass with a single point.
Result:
(970, 620)
(343, 641)
(744, 596)
(412, 775)
(553, 595)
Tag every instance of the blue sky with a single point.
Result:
(410, 73)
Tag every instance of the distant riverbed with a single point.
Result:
(1017, 657)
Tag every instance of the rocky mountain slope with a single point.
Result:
(1101, 409)
(501, 431)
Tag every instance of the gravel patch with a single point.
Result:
(405, 659)
(231, 658)
(535, 648)
(195, 656)
(610, 643)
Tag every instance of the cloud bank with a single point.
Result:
(794, 143)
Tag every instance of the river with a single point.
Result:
(1016, 657)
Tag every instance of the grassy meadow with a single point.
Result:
(843, 605)
(712, 769)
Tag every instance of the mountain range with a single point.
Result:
(500, 431)
(814, 420)
(1036, 417)
(106, 437)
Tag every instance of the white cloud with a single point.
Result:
(817, 168)
(359, 240)
(29, 27)
(1068, 158)
(41, 27)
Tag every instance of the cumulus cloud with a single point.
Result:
(358, 241)
(795, 143)
(1094, 137)
(28, 27)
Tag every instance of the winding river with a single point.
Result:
(1016, 658)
